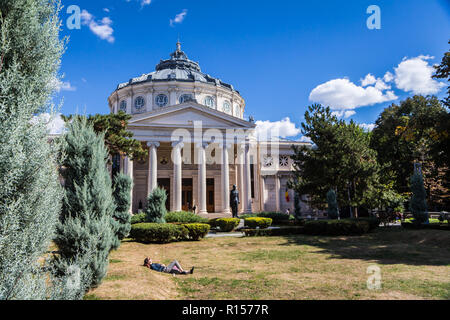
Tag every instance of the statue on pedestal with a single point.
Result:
(234, 201)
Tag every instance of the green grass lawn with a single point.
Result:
(415, 264)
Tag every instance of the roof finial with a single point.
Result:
(178, 44)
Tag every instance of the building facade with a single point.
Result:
(199, 143)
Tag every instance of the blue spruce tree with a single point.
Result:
(122, 198)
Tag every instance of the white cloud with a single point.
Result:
(145, 2)
(367, 126)
(305, 139)
(268, 130)
(55, 124)
(58, 85)
(342, 94)
(388, 77)
(101, 28)
(178, 18)
(415, 75)
(343, 113)
(368, 80)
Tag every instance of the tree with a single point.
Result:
(30, 193)
(418, 202)
(118, 139)
(333, 211)
(408, 133)
(297, 206)
(340, 159)
(443, 72)
(156, 206)
(85, 233)
(122, 199)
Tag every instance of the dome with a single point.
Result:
(178, 68)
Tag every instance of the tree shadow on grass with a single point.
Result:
(391, 245)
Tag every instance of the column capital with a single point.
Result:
(153, 144)
(177, 144)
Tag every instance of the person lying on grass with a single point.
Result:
(173, 268)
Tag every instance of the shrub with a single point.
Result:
(273, 232)
(373, 222)
(261, 223)
(277, 217)
(138, 218)
(346, 227)
(184, 217)
(156, 206)
(122, 199)
(224, 224)
(418, 202)
(197, 231)
(333, 211)
(158, 232)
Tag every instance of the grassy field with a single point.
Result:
(415, 264)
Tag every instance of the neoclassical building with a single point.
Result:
(199, 143)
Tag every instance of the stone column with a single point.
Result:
(202, 209)
(152, 166)
(247, 180)
(277, 192)
(225, 179)
(128, 170)
(177, 174)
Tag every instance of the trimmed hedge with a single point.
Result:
(197, 231)
(184, 217)
(347, 227)
(261, 223)
(138, 218)
(433, 225)
(158, 232)
(224, 224)
(274, 232)
(277, 217)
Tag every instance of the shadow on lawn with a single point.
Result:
(391, 245)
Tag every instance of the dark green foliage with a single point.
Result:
(197, 231)
(348, 227)
(418, 202)
(138, 218)
(156, 206)
(297, 206)
(85, 232)
(158, 232)
(224, 224)
(118, 138)
(184, 217)
(261, 223)
(122, 199)
(332, 210)
(277, 217)
(274, 232)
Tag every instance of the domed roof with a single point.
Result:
(178, 68)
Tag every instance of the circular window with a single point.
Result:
(185, 97)
(226, 107)
(123, 106)
(139, 103)
(209, 101)
(161, 100)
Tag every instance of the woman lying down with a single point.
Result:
(173, 268)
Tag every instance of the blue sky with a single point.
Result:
(281, 55)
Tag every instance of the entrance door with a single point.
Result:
(165, 184)
(186, 195)
(210, 195)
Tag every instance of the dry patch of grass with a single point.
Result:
(415, 264)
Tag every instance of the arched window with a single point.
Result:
(209, 102)
(185, 97)
(161, 100)
(123, 106)
(226, 107)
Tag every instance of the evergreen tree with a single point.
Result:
(30, 193)
(122, 198)
(156, 206)
(418, 202)
(333, 211)
(85, 234)
(297, 206)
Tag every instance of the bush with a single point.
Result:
(158, 232)
(273, 232)
(197, 231)
(224, 224)
(346, 227)
(277, 217)
(156, 206)
(138, 218)
(261, 223)
(184, 217)
(373, 222)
